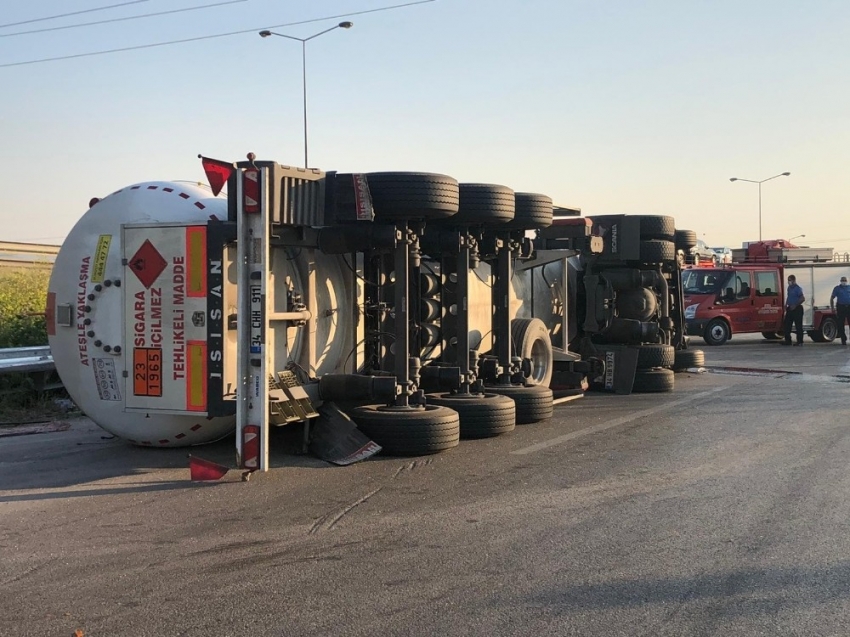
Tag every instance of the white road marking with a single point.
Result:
(566, 399)
(540, 446)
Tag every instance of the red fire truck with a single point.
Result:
(749, 296)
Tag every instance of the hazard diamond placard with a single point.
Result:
(147, 264)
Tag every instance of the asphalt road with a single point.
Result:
(719, 509)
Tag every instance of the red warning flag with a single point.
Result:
(204, 470)
(218, 172)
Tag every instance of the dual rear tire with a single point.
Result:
(533, 402)
(688, 358)
(409, 431)
(481, 415)
(439, 426)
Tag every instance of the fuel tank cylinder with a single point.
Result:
(127, 314)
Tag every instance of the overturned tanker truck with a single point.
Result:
(427, 310)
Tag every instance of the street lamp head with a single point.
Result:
(786, 175)
(733, 179)
(266, 33)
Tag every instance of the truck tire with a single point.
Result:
(653, 355)
(533, 402)
(716, 332)
(482, 204)
(685, 240)
(687, 359)
(532, 211)
(653, 380)
(828, 330)
(657, 251)
(402, 196)
(481, 415)
(657, 227)
(530, 339)
(409, 431)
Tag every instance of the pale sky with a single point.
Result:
(620, 106)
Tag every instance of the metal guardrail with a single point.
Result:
(14, 254)
(26, 359)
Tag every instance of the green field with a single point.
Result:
(23, 294)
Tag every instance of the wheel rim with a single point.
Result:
(717, 332)
(539, 361)
(830, 330)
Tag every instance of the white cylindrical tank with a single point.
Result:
(86, 312)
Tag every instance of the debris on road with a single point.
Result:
(33, 428)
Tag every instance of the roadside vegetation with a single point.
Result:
(23, 294)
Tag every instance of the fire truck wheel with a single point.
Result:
(716, 332)
(532, 211)
(409, 431)
(688, 358)
(531, 340)
(653, 380)
(481, 415)
(685, 240)
(828, 330)
(657, 227)
(401, 196)
(657, 251)
(652, 355)
(533, 402)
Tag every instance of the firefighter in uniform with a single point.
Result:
(841, 296)
(794, 300)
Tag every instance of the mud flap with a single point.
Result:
(201, 470)
(336, 439)
(618, 373)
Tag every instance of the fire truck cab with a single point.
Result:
(749, 296)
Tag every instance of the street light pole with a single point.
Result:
(304, 95)
(753, 181)
(303, 41)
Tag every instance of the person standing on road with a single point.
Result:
(794, 300)
(841, 296)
